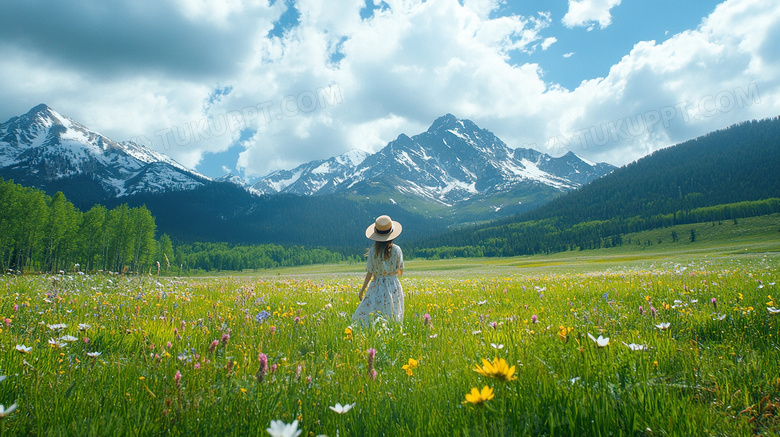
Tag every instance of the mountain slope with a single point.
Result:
(674, 185)
(453, 163)
(735, 164)
(45, 149)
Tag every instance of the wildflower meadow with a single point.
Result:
(662, 349)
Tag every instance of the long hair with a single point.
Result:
(383, 249)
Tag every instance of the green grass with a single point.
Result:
(714, 371)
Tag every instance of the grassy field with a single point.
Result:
(230, 354)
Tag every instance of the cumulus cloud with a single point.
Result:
(659, 94)
(192, 78)
(589, 12)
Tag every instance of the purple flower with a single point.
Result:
(262, 316)
(534, 319)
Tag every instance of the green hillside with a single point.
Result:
(724, 175)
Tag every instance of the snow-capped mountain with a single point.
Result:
(43, 148)
(453, 162)
(315, 177)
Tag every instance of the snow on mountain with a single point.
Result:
(453, 161)
(315, 177)
(43, 147)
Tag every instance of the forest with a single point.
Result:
(48, 233)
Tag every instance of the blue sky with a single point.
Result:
(252, 86)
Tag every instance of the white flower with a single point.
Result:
(23, 349)
(68, 338)
(476, 332)
(721, 316)
(341, 409)
(663, 326)
(57, 326)
(301, 303)
(5, 412)
(84, 326)
(281, 429)
(2, 378)
(636, 347)
(433, 336)
(773, 310)
(94, 354)
(601, 341)
(497, 346)
(482, 302)
(56, 343)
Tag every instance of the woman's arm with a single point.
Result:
(365, 284)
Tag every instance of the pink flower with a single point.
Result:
(197, 366)
(263, 359)
(225, 339)
(371, 356)
(652, 311)
(714, 303)
(213, 346)
(177, 378)
(641, 310)
(169, 345)
(427, 320)
(534, 319)
(273, 368)
(16, 307)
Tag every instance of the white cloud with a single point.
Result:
(724, 72)
(589, 12)
(337, 82)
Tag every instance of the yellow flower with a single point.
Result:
(563, 333)
(498, 369)
(479, 397)
(348, 333)
(412, 364)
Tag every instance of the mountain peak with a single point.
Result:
(40, 108)
(43, 148)
(447, 121)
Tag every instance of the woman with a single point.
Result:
(384, 296)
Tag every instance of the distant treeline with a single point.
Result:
(48, 233)
(223, 256)
(556, 235)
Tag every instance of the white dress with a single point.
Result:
(384, 296)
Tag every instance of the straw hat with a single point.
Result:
(383, 229)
